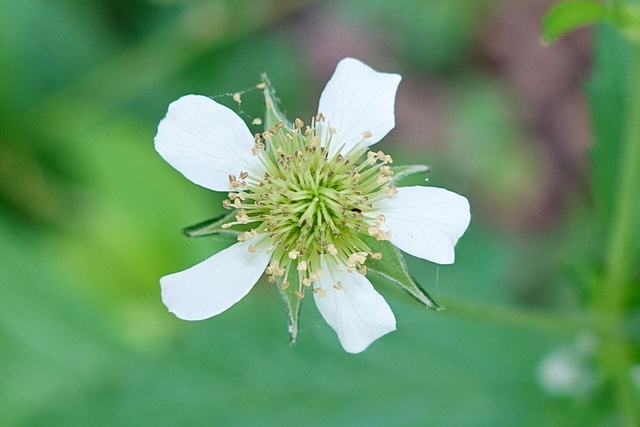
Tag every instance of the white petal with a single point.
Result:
(358, 99)
(206, 142)
(426, 221)
(214, 285)
(357, 313)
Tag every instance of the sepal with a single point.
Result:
(272, 115)
(212, 226)
(393, 268)
(292, 302)
(400, 172)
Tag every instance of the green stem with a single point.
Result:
(539, 321)
(620, 266)
(620, 250)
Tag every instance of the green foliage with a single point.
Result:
(567, 16)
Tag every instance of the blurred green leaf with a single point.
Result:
(569, 15)
(53, 341)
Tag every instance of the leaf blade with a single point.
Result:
(568, 16)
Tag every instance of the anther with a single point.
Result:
(384, 235)
(294, 254)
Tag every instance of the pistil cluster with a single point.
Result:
(313, 203)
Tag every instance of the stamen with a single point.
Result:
(310, 203)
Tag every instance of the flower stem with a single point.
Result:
(539, 321)
(609, 303)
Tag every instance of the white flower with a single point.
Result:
(304, 202)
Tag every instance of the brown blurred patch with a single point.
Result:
(549, 86)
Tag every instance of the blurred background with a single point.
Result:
(90, 217)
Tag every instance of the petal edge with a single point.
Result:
(358, 99)
(215, 284)
(206, 142)
(357, 312)
(426, 222)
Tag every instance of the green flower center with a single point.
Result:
(312, 203)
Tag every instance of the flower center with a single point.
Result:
(312, 203)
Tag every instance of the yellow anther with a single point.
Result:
(371, 157)
(384, 235)
(294, 254)
(242, 216)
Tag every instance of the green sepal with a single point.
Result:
(569, 15)
(272, 115)
(393, 268)
(404, 171)
(292, 303)
(212, 226)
